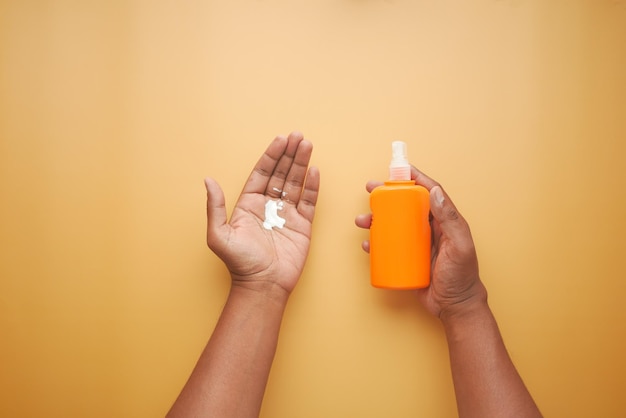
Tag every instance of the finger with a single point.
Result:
(422, 179)
(259, 178)
(372, 184)
(308, 200)
(297, 172)
(448, 220)
(276, 182)
(363, 220)
(366, 246)
(216, 214)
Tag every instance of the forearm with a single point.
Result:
(230, 377)
(485, 380)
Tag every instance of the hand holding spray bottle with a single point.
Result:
(400, 237)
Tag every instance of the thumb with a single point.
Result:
(215, 213)
(450, 222)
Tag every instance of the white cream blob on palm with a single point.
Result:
(271, 214)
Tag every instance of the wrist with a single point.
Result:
(471, 306)
(261, 291)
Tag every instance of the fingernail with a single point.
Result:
(438, 195)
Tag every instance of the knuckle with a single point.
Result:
(452, 214)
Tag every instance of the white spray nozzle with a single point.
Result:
(399, 169)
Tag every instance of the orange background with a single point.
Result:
(112, 113)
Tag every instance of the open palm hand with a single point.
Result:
(267, 255)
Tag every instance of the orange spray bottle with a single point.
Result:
(400, 229)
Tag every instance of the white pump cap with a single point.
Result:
(399, 169)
